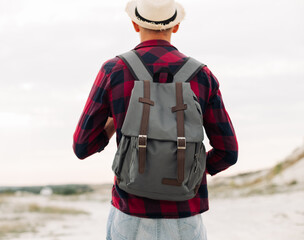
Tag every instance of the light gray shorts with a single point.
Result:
(122, 226)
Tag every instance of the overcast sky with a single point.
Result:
(51, 51)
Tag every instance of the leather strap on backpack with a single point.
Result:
(181, 140)
(142, 138)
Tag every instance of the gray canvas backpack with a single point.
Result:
(161, 154)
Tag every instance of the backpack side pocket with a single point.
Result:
(198, 167)
(120, 156)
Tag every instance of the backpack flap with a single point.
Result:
(162, 121)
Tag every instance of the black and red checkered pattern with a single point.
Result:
(110, 96)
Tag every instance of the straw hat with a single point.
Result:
(155, 14)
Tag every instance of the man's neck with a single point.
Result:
(157, 36)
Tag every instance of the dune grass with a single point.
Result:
(35, 208)
(14, 224)
(14, 228)
(2, 200)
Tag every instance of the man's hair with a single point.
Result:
(158, 31)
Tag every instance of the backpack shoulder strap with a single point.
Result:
(190, 68)
(136, 66)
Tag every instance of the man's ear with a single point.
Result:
(175, 28)
(136, 27)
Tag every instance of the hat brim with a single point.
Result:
(130, 9)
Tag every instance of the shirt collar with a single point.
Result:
(154, 43)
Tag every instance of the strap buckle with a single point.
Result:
(181, 143)
(142, 141)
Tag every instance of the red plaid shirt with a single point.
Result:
(110, 97)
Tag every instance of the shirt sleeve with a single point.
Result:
(90, 136)
(219, 130)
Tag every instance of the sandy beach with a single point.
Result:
(266, 204)
(276, 216)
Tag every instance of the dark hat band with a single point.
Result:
(165, 22)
